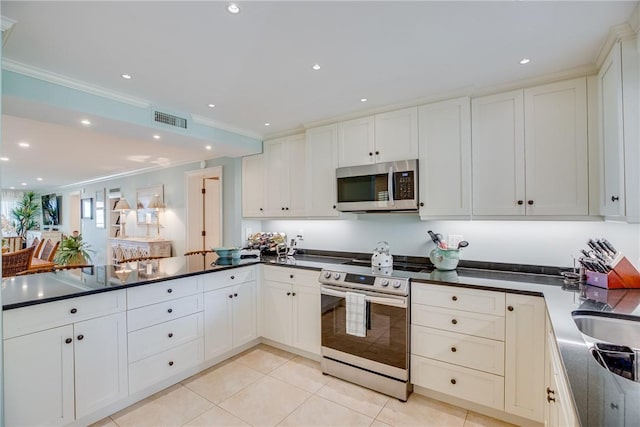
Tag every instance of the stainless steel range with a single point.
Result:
(375, 353)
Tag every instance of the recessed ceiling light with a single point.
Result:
(363, 99)
(12, 188)
(24, 183)
(85, 122)
(208, 147)
(233, 8)
(39, 179)
(267, 124)
(4, 159)
(316, 67)
(23, 144)
(156, 136)
(525, 61)
(211, 105)
(126, 76)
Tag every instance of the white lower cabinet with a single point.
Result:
(291, 307)
(55, 376)
(486, 347)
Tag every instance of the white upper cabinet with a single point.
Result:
(619, 132)
(384, 137)
(284, 176)
(529, 151)
(445, 158)
(322, 161)
(498, 154)
(253, 186)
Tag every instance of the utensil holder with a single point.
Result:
(623, 275)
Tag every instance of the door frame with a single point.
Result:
(211, 172)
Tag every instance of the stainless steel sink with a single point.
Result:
(607, 327)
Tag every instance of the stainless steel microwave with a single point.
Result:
(391, 186)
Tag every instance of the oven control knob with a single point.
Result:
(384, 282)
(327, 274)
(396, 284)
(336, 276)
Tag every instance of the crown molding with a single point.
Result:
(201, 120)
(6, 23)
(48, 76)
(616, 34)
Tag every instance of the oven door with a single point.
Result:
(387, 339)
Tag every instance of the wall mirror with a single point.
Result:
(143, 197)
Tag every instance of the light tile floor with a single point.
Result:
(266, 386)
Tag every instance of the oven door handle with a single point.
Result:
(395, 302)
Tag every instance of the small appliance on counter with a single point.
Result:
(446, 255)
(382, 260)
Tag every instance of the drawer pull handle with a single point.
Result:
(230, 296)
(614, 406)
(510, 308)
(74, 311)
(454, 298)
(170, 334)
(169, 290)
(233, 277)
(453, 349)
(454, 321)
(550, 399)
(80, 337)
(453, 381)
(170, 310)
(549, 391)
(614, 199)
(171, 363)
(235, 295)
(68, 340)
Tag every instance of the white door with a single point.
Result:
(253, 186)
(277, 312)
(497, 134)
(245, 327)
(306, 318)
(556, 149)
(100, 362)
(218, 322)
(445, 158)
(38, 378)
(356, 143)
(204, 210)
(396, 135)
(322, 161)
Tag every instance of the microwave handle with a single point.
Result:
(390, 185)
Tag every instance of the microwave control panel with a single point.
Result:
(404, 185)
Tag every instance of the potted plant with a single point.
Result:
(25, 214)
(73, 251)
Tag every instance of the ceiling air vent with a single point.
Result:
(169, 119)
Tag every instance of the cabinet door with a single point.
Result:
(295, 200)
(100, 362)
(356, 144)
(559, 409)
(253, 186)
(396, 135)
(218, 322)
(306, 318)
(556, 156)
(445, 158)
(277, 312)
(245, 327)
(497, 132)
(275, 177)
(524, 356)
(322, 161)
(38, 378)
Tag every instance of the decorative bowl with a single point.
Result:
(233, 253)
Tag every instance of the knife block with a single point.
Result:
(622, 276)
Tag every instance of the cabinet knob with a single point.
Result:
(80, 337)
(454, 321)
(235, 295)
(510, 308)
(68, 340)
(453, 349)
(453, 381)
(370, 153)
(170, 335)
(170, 310)
(230, 296)
(288, 293)
(261, 209)
(421, 204)
(615, 198)
(521, 202)
(454, 298)
(291, 276)
(334, 206)
(282, 208)
(73, 311)
(377, 153)
(286, 209)
(171, 363)
(530, 202)
(614, 406)
(232, 277)
(169, 290)
(294, 294)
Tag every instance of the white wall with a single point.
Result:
(550, 243)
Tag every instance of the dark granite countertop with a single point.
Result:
(601, 397)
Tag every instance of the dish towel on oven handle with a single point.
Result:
(356, 314)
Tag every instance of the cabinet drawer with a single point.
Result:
(222, 279)
(464, 322)
(38, 317)
(163, 312)
(293, 276)
(155, 339)
(475, 300)
(154, 369)
(162, 291)
(464, 350)
(469, 384)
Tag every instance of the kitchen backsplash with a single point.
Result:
(549, 243)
